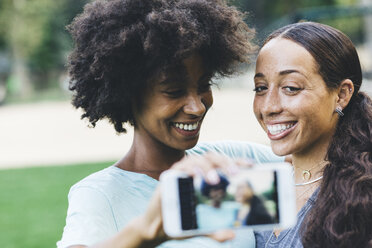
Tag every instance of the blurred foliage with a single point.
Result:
(267, 16)
(263, 13)
(34, 41)
(33, 33)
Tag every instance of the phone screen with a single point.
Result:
(250, 198)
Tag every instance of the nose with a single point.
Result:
(271, 103)
(195, 105)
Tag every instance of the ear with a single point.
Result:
(345, 92)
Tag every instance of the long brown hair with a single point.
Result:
(342, 214)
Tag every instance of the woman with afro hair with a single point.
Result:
(149, 64)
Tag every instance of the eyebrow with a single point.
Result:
(286, 72)
(259, 75)
(281, 73)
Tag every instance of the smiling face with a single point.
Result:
(174, 106)
(292, 103)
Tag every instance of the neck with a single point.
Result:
(150, 158)
(313, 163)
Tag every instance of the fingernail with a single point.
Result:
(213, 177)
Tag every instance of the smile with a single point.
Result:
(186, 126)
(279, 128)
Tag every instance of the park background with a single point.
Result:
(45, 147)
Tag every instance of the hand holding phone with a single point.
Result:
(261, 197)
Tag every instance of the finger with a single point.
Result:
(190, 165)
(288, 159)
(244, 163)
(223, 163)
(151, 223)
(198, 165)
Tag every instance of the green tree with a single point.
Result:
(33, 32)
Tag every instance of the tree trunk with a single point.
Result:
(21, 75)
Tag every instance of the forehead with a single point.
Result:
(188, 70)
(281, 54)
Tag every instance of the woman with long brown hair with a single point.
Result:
(307, 82)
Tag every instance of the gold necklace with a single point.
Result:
(306, 173)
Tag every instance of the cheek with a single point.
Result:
(256, 107)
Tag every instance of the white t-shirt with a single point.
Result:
(106, 201)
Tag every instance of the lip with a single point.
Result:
(282, 134)
(187, 133)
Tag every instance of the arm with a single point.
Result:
(239, 149)
(147, 230)
(143, 231)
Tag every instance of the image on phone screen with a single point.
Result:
(248, 199)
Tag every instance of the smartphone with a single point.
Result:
(259, 198)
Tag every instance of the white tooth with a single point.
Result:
(181, 126)
(188, 127)
(177, 125)
(195, 126)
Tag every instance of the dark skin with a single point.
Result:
(157, 142)
(156, 160)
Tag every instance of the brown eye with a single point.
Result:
(259, 89)
(174, 93)
(290, 89)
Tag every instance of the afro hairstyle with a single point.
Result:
(119, 45)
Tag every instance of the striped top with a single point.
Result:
(289, 237)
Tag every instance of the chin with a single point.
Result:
(280, 150)
(187, 145)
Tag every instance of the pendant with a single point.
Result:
(306, 175)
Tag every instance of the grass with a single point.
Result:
(33, 203)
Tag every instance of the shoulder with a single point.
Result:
(94, 190)
(112, 178)
(102, 203)
(109, 188)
